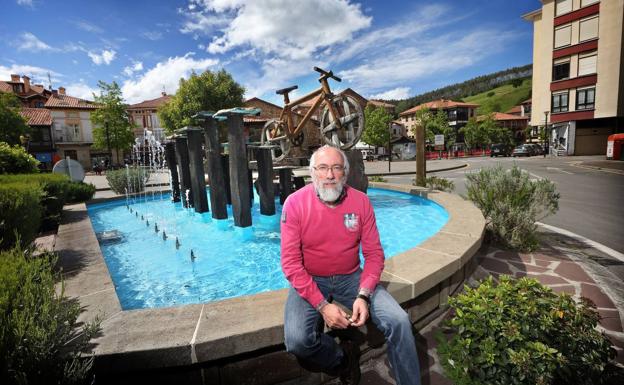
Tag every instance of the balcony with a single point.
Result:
(68, 134)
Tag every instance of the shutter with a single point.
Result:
(585, 3)
(563, 6)
(587, 65)
(562, 36)
(588, 29)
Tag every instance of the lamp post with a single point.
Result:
(546, 134)
(110, 154)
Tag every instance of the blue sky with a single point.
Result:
(382, 49)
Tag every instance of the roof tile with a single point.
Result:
(37, 116)
(66, 101)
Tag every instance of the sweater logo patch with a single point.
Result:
(283, 216)
(351, 222)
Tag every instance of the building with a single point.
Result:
(144, 116)
(390, 108)
(515, 123)
(522, 109)
(40, 143)
(578, 73)
(457, 114)
(72, 130)
(31, 95)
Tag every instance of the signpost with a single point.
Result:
(439, 144)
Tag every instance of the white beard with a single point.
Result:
(329, 194)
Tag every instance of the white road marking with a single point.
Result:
(607, 250)
(560, 170)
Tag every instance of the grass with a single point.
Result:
(504, 97)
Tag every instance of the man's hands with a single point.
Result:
(336, 318)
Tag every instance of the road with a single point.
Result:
(591, 202)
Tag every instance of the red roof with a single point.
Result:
(514, 110)
(153, 103)
(66, 101)
(37, 116)
(503, 116)
(379, 103)
(443, 104)
(5, 87)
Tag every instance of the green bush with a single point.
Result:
(521, 332)
(133, 179)
(512, 203)
(15, 160)
(78, 192)
(40, 339)
(377, 178)
(441, 184)
(20, 213)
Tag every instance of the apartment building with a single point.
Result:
(145, 117)
(578, 73)
(30, 95)
(457, 114)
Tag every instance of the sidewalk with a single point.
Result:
(559, 264)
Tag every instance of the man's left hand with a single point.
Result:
(360, 312)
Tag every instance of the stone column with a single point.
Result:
(218, 187)
(239, 171)
(173, 169)
(182, 158)
(357, 177)
(196, 163)
(265, 181)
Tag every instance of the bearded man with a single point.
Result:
(323, 226)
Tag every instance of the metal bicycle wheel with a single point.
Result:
(274, 133)
(351, 119)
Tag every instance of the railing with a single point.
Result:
(67, 134)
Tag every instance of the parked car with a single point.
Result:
(368, 155)
(522, 150)
(500, 150)
(535, 149)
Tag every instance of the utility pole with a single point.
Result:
(546, 134)
(110, 154)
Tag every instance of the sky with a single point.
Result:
(382, 49)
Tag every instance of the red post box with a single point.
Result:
(615, 144)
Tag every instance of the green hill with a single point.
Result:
(501, 99)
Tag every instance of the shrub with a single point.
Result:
(520, 332)
(15, 160)
(20, 213)
(78, 192)
(377, 178)
(441, 184)
(40, 339)
(134, 179)
(490, 94)
(512, 203)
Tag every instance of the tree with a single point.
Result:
(112, 124)
(210, 91)
(377, 129)
(12, 124)
(484, 132)
(474, 133)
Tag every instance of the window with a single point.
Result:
(588, 29)
(587, 63)
(585, 3)
(561, 69)
(72, 154)
(585, 98)
(560, 102)
(563, 6)
(563, 36)
(39, 104)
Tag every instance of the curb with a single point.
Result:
(598, 246)
(581, 164)
(414, 172)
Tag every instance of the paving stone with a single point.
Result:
(529, 268)
(548, 280)
(549, 254)
(569, 289)
(495, 266)
(542, 263)
(512, 256)
(572, 271)
(597, 296)
(435, 378)
(371, 377)
(610, 319)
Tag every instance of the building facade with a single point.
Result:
(145, 117)
(457, 114)
(578, 73)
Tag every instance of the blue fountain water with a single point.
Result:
(148, 271)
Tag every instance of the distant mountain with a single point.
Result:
(468, 88)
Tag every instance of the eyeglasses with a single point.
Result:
(323, 168)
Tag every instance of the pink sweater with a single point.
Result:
(323, 241)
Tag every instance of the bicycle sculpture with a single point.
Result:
(341, 124)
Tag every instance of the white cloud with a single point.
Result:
(277, 27)
(105, 57)
(81, 90)
(38, 75)
(166, 74)
(393, 94)
(135, 67)
(30, 42)
(27, 3)
(152, 35)
(86, 26)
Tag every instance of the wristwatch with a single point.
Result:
(365, 295)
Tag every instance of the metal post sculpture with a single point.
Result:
(185, 172)
(198, 181)
(173, 169)
(265, 180)
(357, 177)
(218, 191)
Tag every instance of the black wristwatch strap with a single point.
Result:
(365, 298)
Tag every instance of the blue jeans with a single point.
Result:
(305, 340)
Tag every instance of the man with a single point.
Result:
(323, 226)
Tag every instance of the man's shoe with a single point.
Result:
(351, 374)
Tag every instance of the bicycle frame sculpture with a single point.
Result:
(341, 123)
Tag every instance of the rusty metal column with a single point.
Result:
(239, 171)
(218, 198)
(196, 163)
(185, 172)
(265, 180)
(173, 169)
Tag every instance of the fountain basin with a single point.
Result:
(218, 337)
